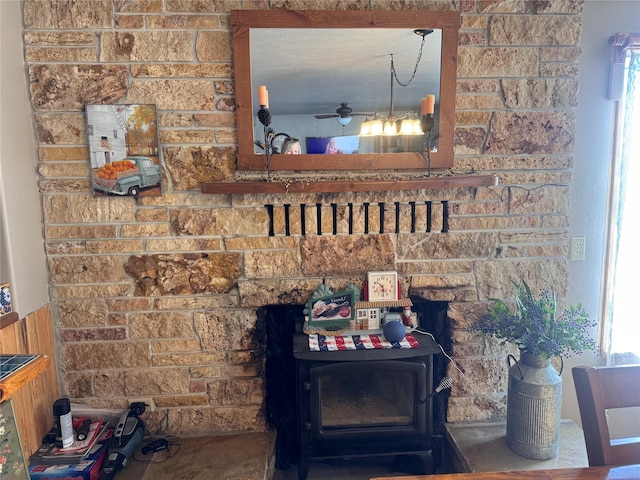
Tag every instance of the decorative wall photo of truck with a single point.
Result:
(123, 148)
(128, 176)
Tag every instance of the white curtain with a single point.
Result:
(624, 313)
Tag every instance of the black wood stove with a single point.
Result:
(364, 403)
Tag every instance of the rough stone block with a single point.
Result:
(276, 292)
(453, 245)
(236, 391)
(172, 94)
(160, 325)
(92, 334)
(532, 132)
(184, 21)
(540, 93)
(65, 209)
(147, 46)
(498, 62)
(68, 14)
(68, 169)
(186, 136)
(32, 38)
(165, 401)
(61, 87)
(206, 420)
(62, 153)
(481, 407)
(186, 359)
(128, 22)
(86, 269)
(224, 330)
(79, 384)
(220, 221)
(495, 278)
(102, 355)
(213, 46)
(183, 273)
(60, 54)
(175, 345)
(271, 264)
(109, 383)
(325, 256)
(156, 382)
(535, 30)
(200, 164)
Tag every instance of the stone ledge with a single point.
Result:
(245, 456)
(481, 447)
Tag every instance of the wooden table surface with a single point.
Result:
(629, 472)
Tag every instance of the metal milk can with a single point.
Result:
(534, 404)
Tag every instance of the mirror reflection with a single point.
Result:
(324, 83)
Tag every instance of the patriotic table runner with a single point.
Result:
(327, 343)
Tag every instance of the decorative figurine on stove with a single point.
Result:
(409, 318)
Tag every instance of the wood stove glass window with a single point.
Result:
(354, 397)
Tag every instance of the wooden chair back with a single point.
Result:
(600, 389)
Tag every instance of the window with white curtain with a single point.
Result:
(621, 334)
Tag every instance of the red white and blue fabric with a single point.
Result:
(325, 343)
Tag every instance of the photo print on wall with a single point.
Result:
(123, 146)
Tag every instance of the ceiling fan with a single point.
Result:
(343, 114)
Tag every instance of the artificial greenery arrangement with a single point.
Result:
(534, 326)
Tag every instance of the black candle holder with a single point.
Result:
(264, 116)
(428, 124)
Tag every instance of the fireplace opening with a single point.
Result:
(380, 401)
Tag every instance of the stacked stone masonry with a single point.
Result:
(157, 296)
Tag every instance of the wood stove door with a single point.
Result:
(368, 400)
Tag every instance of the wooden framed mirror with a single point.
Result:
(339, 24)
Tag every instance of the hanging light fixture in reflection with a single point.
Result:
(392, 124)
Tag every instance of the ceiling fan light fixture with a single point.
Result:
(344, 121)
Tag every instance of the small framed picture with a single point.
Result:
(5, 299)
(338, 306)
(382, 286)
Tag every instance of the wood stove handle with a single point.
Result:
(306, 386)
(307, 426)
(423, 395)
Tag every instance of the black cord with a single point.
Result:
(173, 447)
(507, 189)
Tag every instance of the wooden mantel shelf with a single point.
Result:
(338, 186)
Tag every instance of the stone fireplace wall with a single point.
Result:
(157, 296)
